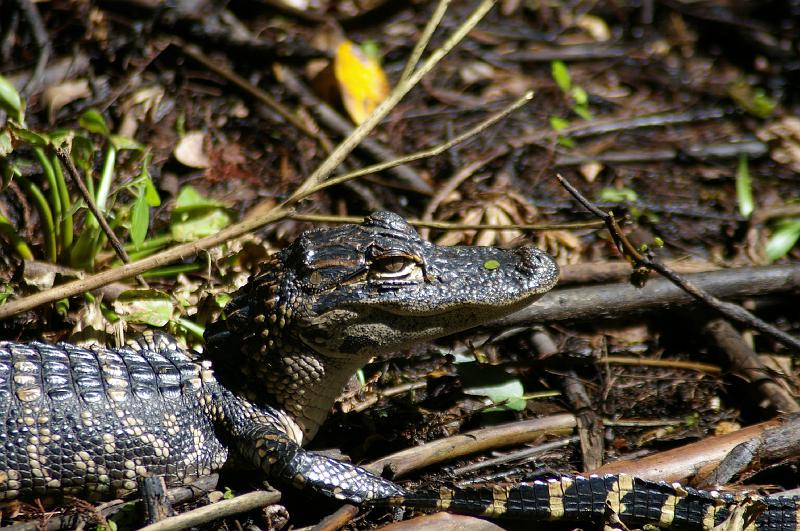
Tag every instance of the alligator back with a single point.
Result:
(88, 422)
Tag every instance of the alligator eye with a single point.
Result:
(392, 267)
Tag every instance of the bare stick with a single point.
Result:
(509, 434)
(231, 76)
(731, 311)
(425, 38)
(446, 225)
(746, 362)
(622, 300)
(239, 504)
(425, 153)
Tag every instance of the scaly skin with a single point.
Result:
(88, 422)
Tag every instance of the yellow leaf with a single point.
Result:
(361, 80)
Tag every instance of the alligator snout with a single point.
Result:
(536, 263)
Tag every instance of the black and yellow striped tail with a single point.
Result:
(600, 499)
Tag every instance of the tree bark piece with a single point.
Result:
(692, 461)
(745, 362)
(615, 301)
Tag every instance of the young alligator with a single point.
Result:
(88, 422)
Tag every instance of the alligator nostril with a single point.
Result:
(530, 259)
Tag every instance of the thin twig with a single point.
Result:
(667, 364)
(402, 176)
(455, 181)
(430, 152)
(446, 225)
(72, 171)
(424, 39)
(201, 515)
(638, 260)
(234, 78)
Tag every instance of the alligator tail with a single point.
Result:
(601, 499)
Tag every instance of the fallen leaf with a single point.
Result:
(190, 150)
(145, 306)
(56, 96)
(591, 170)
(594, 26)
(362, 82)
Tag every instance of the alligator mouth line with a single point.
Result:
(457, 307)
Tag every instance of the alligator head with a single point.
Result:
(334, 298)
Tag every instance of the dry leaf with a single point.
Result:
(362, 82)
(56, 96)
(140, 106)
(190, 150)
(475, 72)
(590, 170)
(594, 26)
(784, 138)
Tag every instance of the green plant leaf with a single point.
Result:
(783, 239)
(82, 151)
(82, 253)
(94, 122)
(62, 139)
(6, 146)
(582, 111)
(8, 170)
(618, 195)
(140, 217)
(195, 216)
(150, 192)
(561, 76)
(26, 135)
(189, 198)
(123, 142)
(558, 123)
(145, 306)
(580, 96)
(199, 224)
(565, 141)
(222, 299)
(502, 388)
(744, 187)
(371, 49)
(8, 231)
(752, 99)
(11, 101)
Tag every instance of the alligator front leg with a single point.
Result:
(282, 458)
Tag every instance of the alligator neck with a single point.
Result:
(295, 379)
